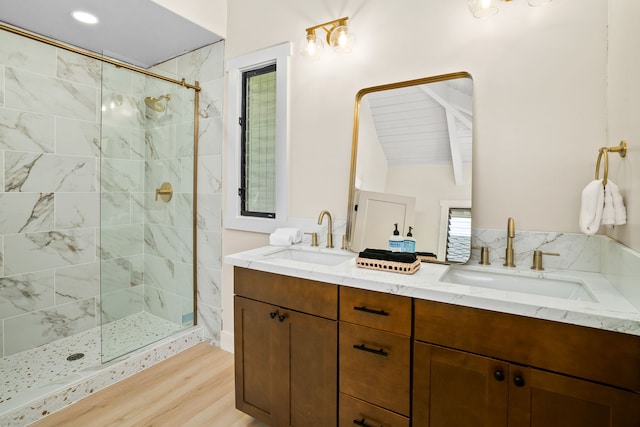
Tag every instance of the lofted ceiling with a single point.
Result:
(138, 32)
(425, 124)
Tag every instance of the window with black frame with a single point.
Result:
(258, 143)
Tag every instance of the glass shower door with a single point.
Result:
(146, 210)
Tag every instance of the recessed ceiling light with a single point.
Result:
(85, 17)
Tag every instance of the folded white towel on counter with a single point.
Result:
(285, 236)
(614, 212)
(592, 207)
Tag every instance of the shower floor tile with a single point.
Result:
(47, 365)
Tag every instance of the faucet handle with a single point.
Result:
(314, 238)
(537, 259)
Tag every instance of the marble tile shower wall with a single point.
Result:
(50, 203)
(49, 142)
(206, 66)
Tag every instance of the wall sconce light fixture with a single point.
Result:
(338, 36)
(486, 8)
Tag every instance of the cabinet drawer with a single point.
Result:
(594, 354)
(375, 366)
(357, 412)
(308, 296)
(378, 310)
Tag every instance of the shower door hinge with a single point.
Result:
(240, 121)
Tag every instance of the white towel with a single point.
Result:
(614, 212)
(592, 207)
(285, 236)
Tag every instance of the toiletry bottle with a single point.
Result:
(409, 242)
(396, 241)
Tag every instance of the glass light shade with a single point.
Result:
(341, 39)
(312, 46)
(483, 8)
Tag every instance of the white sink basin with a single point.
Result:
(520, 282)
(311, 257)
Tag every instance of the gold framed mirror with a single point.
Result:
(411, 164)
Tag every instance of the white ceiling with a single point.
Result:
(138, 32)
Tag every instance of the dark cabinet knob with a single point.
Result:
(498, 375)
(518, 381)
(282, 317)
(273, 314)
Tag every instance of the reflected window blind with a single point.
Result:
(259, 143)
(459, 235)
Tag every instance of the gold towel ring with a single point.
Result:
(621, 149)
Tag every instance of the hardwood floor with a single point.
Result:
(194, 388)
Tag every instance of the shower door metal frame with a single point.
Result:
(196, 100)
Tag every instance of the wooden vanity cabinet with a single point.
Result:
(464, 372)
(374, 358)
(285, 349)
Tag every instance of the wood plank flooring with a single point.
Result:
(192, 389)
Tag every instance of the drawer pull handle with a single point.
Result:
(368, 310)
(518, 381)
(362, 423)
(282, 317)
(498, 375)
(363, 347)
(273, 314)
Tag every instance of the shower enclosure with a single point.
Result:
(97, 211)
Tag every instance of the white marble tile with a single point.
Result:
(159, 273)
(78, 68)
(115, 208)
(120, 304)
(35, 93)
(209, 249)
(116, 274)
(77, 282)
(121, 241)
(137, 144)
(116, 142)
(209, 174)
(168, 68)
(163, 304)
(159, 171)
(184, 279)
(77, 210)
(184, 139)
(22, 131)
(1, 255)
(48, 173)
(38, 251)
(161, 241)
(138, 207)
(23, 293)
(121, 110)
(160, 143)
(158, 211)
(77, 137)
(186, 174)
(1, 85)
(202, 64)
(116, 79)
(184, 211)
(2, 343)
(210, 137)
(211, 99)
(26, 54)
(41, 327)
(210, 318)
(26, 212)
(210, 212)
(210, 286)
(119, 175)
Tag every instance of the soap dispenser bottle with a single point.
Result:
(396, 242)
(409, 242)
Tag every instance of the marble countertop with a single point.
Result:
(612, 311)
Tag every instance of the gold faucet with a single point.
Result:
(330, 228)
(511, 233)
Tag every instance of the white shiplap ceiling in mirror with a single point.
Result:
(424, 124)
(138, 32)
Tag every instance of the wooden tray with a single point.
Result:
(393, 267)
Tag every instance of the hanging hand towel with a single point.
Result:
(614, 212)
(592, 207)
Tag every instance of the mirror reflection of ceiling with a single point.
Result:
(138, 32)
(414, 123)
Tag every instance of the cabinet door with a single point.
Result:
(255, 339)
(543, 399)
(457, 389)
(310, 368)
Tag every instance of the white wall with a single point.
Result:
(539, 93)
(209, 14)
(624, 110)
